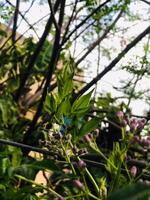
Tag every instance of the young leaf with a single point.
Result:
(88, 127)
(81, 104)
(50, 103)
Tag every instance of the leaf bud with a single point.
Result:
(120, 115)
(145, 142)
(87, 138)
(133, 171)
(81, 164)
(78, 184)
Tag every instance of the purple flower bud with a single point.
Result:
(136, 139)
(78, 184)
(144, 120)
(87, 138)
(120, 114)
(127, 119)
(141, 124)
(81, 164)
(133, 124)
(133, 171)
(145, 142)
(123, 123)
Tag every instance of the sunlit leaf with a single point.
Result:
(134, 192)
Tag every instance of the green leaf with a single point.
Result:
(2, 187)
(134, 192)
(81, 105)
(88, 127)
(4, 112)
(5, 165)
(16, 157)
(45, 164)
(64, 108)
(68, 87)
(50, 103)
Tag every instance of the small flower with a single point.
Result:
(81, 164)
(120, 114)
(78, 184)
(133, 171)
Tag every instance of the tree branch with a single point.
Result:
(52, 64)
(113, 63)
(145, 1)
(2, 47)
(94, 44)
(70, 19)
(83, 21)
(88, 159)
(53, 15)
(15, 21)
(27, 147)
(23, 17)
(36, 53)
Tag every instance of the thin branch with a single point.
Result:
(27, 147)
(70, 20)
(86, 158)
(52, 64)
(23, 17)
(36, 53)
(53, 15)
(85, 29)
(145, 1)
(83, 21)
(15, 21)
(113, 63)
(94, 44)
(21, 34)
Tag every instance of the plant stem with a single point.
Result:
(40, 185)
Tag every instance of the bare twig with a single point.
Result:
(113, 63)
(70, 20)
(23, 17)
(83, 21)
(89, 159)
(53, 15)
(15, 21)
(36, 53)
(27, 147)
(52, 64)
(94, 44)
(2, 47)
(145, 1)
